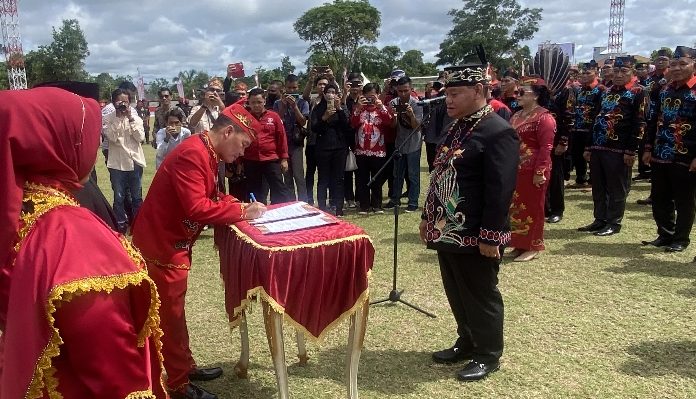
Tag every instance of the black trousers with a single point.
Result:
(643, 169)
(331, 165)
(577, 148)
(348, 186)
(471, 285)
(255, 171)
(369, 196)
(555, 201)
(390, 147)
(611, 182)
(311, 164)
(430, 152)
(673, 189)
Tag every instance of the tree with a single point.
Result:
(499, 25)
(63, 59)
(152, 91)
(106, 83)
(337, 29)
(412, 63)
(669, 51)
(286, 66)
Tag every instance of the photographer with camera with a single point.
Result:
(370, 118)
(353, 88)
(407, 117)
(204, 115)
(124, 130)
(171, 136)
(294, 111)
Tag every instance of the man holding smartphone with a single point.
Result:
(171, 136)
(294, 112)
(407, 118)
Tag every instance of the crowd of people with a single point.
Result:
(499, 152)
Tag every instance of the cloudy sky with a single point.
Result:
(162, 37)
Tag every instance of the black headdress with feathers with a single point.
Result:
(553, 66)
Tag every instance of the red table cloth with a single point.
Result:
(316, 277)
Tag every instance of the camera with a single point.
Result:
(401, 108)
(121, 106)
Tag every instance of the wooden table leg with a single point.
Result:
(356, 337)
(242, 366)
(301, 348)
(274, 332)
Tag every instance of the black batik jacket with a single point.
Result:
(620, 124)
(472, 184)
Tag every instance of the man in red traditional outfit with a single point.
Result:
(187, 182)
(78, 312)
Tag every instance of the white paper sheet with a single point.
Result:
(295, 224)
(296, 210)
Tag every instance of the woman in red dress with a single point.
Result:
(536, 128)
(78, 313)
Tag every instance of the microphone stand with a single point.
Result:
(395, 294)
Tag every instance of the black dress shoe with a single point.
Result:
(608, 231)
(192, 392)
(205, 374)
(554, 219)
(594, 226)
(675, 247)
(475, 371)
(658, 242)
(452, 355)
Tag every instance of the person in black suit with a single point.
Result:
(465, 217)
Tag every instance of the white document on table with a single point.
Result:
(292, 211)
(296, 224)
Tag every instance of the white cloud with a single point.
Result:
(162, 37)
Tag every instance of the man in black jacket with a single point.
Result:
(465, 218)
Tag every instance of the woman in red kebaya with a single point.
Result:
(536, 128)
(78, 312)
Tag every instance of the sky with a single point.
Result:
(162, 37)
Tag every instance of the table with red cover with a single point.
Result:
(313, 278)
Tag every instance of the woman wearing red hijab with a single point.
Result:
(78, 313)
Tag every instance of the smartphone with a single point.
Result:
(296, 96)
(322, 68)
(400, 108)
(370, 100)
(355, 83)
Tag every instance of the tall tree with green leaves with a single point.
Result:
(63, 59)
(337, 29)
(499, 25)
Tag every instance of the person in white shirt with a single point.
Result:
(126, 160)
(169, 137)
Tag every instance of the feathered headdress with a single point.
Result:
(553, 66)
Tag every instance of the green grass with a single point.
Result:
(591, 318)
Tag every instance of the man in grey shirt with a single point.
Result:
(408, 116)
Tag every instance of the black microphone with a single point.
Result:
(436, 100)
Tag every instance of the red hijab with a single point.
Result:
(48, 136)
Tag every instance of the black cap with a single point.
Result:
(642, 65)
(683, 51)
(83, 89)
(470, 73)
(587, 66)
(626, 61)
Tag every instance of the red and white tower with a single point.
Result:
(616, 25)
(12, 44)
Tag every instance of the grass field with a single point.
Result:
(591, 318)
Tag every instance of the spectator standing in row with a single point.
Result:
(370, 118)
(144, 114)
(318, 82)
(126, 161)
(171, 136)
(407, 118)
(294, 111)
(354, 91)
(330, 124)
(162, 110)
(267, 157)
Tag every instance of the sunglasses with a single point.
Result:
(165, 96)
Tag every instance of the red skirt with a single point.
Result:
(527, 213)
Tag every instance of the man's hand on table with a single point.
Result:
(254, 210)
